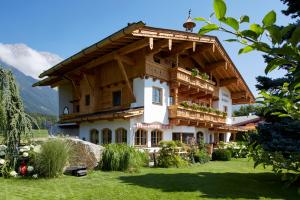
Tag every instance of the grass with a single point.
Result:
(37, 134)
(42, 133)
(234, 179)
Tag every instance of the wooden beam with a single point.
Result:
(158, 46)
(228, 81)
(127, 60)
(88, 82)
(213, 66)
(206, 48)
(180, 48)
(124, 74)
(239, 95)
(75, 88)
(122, 51)
(197, 58)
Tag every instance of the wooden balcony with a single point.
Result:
(195, 116)
(157, 70)
(180, 75)
(68, 116)
(102, 115)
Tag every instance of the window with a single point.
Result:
(210, 138)
(200, 136)
(121, 135)
(66, 110)
(156, 137)
(116, 98)
(171, 102)
(225, 109)
(186, 138)
(106, 136)
(156, 95)
(94, 136)
(77, 108)
(87, 100)
(140, 137)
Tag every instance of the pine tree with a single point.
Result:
(15, 124)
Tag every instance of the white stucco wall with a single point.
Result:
(86, 127)
(65, 95)
(142, 89)
(138, 91)
(224, 100)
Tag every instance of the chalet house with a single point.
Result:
(142, 85)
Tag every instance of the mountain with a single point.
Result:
(36, 99)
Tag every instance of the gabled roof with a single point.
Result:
(243, 120)
(135, 36)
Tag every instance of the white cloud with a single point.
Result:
(29, 61)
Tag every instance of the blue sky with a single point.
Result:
(64, 27)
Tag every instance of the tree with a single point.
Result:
(293, 8)
(15, 124)
(278, 139)
(246, 110)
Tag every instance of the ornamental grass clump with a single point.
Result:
(53, 157)
(121, 157)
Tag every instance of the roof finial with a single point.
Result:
(189, 23)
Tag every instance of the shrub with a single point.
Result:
(168, 156)
(221, 154)
(238, 150)
(52, 158)
(121, 157)
(201, 156)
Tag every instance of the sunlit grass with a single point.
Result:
(234, 179)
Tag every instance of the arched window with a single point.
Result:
(200, 136)
(66, 110)
(106, 136)
(140, 137)
(94, 136)
(121, 135)
(156, 137)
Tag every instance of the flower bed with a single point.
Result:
(24, 162)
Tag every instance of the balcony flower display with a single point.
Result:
(195, 106)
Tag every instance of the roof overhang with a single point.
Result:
(137, 35)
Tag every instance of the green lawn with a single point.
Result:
(216, 180)
(42, 133)
(37, 134)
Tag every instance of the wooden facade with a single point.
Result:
(138, 51)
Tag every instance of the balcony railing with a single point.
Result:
(68, 116)
(180, 112)
(184, 76)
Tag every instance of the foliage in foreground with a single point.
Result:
(168, 155)
(14, 122)
(279, 97)
(200, 154)
(53, 157)
(237, 149)
(121, 157)
(221, 154)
